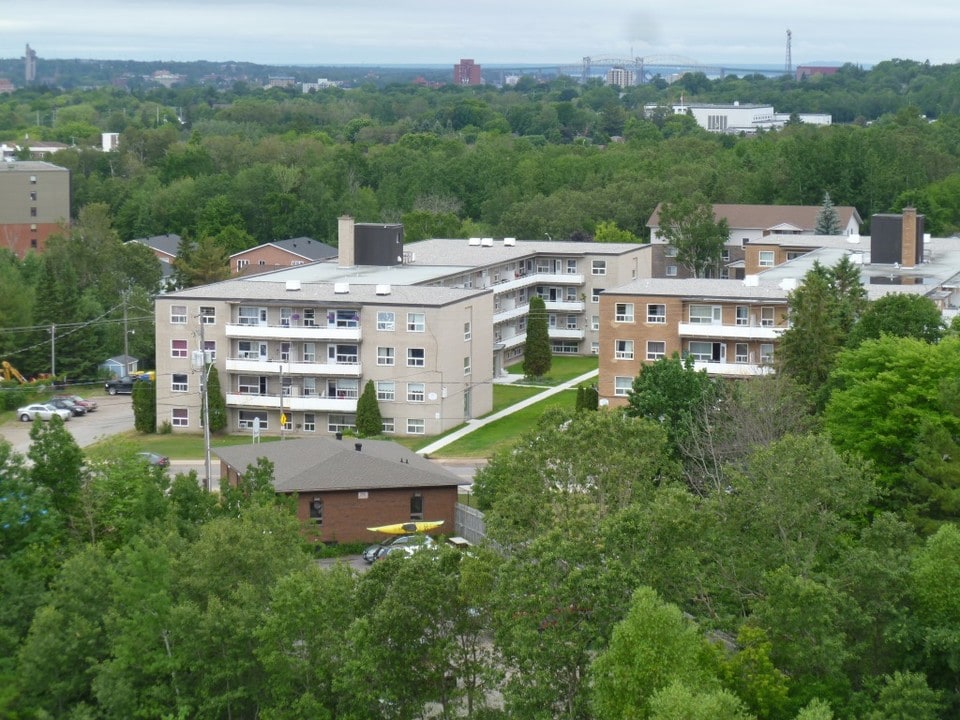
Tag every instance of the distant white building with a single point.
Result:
(320, 84)
(620, 76)
(109, 141)
(740, 118)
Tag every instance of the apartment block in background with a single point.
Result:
(34, 204)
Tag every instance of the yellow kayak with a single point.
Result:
(407, 527)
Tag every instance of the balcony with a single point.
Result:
(729, 332)
(562, 333)
(293, 332)
(723, 369)
(295, 403)
(266, 367)
(522, 281)
(567, 306)
(513, 340)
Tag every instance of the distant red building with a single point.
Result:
(805, 72)
(466, 72)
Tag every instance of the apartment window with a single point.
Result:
(241, 264)
(624, 312)
(210, 350)
(286, 420)
(284, 352)
(252, 384)
(309, 386)
(766, 353)
(624, 349)
(415, 392)
(385, 356)
(669, 251)
(416, 322)
(33, 212)
(178, 348)
(573, 322)
(339, 423)
(598, 267)
(178, 382)
(416, 426)
(316, 510)
(702, 351)
(286, 315)
(705, 314)
(389, 426)
(345, 319)
(251, 350)
(309, 316)
(742, 353)
(766, 258)
(180, 417)
(570, 294)
(467, 331)
(286, 388)
(386, 390)
(595, 295)
(657, 314)
(622, 385)
(249, 419)
(247, 315)
(386, 321)
(743, 315)
(343, 388)
(595, 348)
(416, 500)
(208, 315)
(656, 349)
(565, 347)
(309, 354)
(725, 254)
(309, 422)
(178, 314)
(343, 354)
(466, 366)
(33, 195)
(571, 266)
(671, 271)
(33, 179)
(767, 316)
(594, 322)
(416, 357)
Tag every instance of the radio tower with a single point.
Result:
(789, 65)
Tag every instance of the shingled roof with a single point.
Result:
(319, 464)
(765, 217)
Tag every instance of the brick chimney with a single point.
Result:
(345, 242)
(908, 245)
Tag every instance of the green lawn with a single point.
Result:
(562, 368)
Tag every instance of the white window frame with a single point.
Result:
(179, 382)
(180, 417)
(595, 294)
(623, 349)
(741, 353)
(467, 331)
(416, 392)
(178, 351)
(768, 316)
(656, 349)
(766, 258)
(654, 316)
(389, 425)
(210, 349)
(467, 369)
(416, 357)
(598, 267)
(310, 422)
(208, 314)
(386, 390)
(742, 315)
(715, 312)
(386, 321)
(416, 426)
(622, 385)
(671, 271)
(386, 356)
(251, 315)
(623, 312)
(178, 314)
(416, 322)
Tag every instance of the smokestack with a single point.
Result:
(345, 241)
(908, 242)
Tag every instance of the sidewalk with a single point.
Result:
(480, 422)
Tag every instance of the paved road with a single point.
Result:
(114, 415)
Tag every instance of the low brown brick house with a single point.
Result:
(345, 486)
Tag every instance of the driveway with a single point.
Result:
(114, 415)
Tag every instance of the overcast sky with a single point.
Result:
(326, 32)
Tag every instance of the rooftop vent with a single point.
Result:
(383, 289)
(751, 281)
(293, 285)
(509, 242)
(474, 241)
(487, 242)
(341, 288)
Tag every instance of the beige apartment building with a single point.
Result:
(34, 204)
(430, 323)
(729, 328)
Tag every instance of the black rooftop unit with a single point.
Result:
(889, 242)
(376, 244)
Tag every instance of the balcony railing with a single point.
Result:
(268, 367)
(730, 332)
(296, 403)
(293, 332)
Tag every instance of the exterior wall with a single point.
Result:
(452, 389)
(262, 259)
(34, 203)
(738, 346)
(665, 265)
(759, 257)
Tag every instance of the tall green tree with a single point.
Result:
(828, 222)
(369, 419)
(57, 463)
(144, 400)
(691, 227)
(216, 402)
(537, 354)
(201, 262)
(899, 315)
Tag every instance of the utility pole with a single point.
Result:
(283, 417)
(126, 347)
(53, 351)
(204, 400)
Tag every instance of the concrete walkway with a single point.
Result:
(480, 422)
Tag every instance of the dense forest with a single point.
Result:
(780, 548)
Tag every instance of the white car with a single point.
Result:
(39, 411)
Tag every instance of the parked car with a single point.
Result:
(90, 405)
(155, 459)
(70, 405)
(120, 386)
(41, 411)
(398, 543)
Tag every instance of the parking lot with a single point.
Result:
(113, 415)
